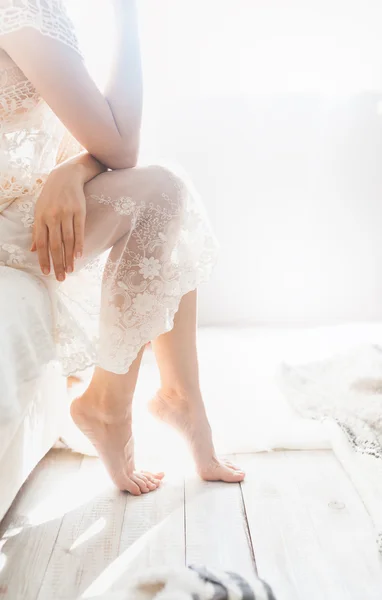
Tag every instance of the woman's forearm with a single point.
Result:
(124, 90)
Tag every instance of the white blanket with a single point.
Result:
(32, 390)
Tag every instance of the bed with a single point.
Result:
(32, 389)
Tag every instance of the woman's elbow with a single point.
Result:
(130, 160)
(124, 159)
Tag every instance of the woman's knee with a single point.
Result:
(140, 191)
(169, 189)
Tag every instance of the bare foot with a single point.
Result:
(190, 419)
(111, 435)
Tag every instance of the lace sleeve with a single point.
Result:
(47, 16)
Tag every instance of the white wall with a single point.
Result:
(277, 120)
(275, 110)
(294, 192)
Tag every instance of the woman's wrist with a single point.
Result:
(83, 168)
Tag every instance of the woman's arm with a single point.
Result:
(85, 164)
(60, 214)
(108, 126)
(124, 90)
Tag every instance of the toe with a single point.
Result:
(235, 477)
(232, 465)
(152, 481)
(154, 477)
(231, 475)
(220, 471)
(142, 482)
(131, 487)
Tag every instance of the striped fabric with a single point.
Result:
(193, 583)
(231, 586)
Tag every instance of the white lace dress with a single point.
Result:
(147, 239)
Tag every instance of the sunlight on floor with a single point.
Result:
(74, 491)
(124, 565)
(92, 531)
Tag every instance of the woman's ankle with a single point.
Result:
(105, 403)
(180, 394)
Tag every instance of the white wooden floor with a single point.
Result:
(297, 519)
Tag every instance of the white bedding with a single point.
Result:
(32, 390)
(25, 334)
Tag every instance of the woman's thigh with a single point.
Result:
(118, 203)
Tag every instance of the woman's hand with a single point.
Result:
(60, 220)
(60, 214)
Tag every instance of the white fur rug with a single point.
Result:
(345, 392)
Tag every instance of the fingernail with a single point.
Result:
(78, 254)
(60, 277)
(69, 270)
(45, 271)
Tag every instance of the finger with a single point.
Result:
(68, 241)
(33, 247)
(42, 247)
(79, 234)
(56, 250)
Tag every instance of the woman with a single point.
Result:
(62, 207)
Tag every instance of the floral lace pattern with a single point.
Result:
(47, 16)
(159, 240)
(30, 133)
(161, 247)
(123, 206)
(26, 208)
(14, 256)
(166, 250)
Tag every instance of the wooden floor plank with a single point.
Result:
(89, 537)
(216, 531)
(29, 531)
(69, 533)
(311, 533)
(152, 535)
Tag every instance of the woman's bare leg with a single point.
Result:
(104, 415)
(142, 214)
(179, 402)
